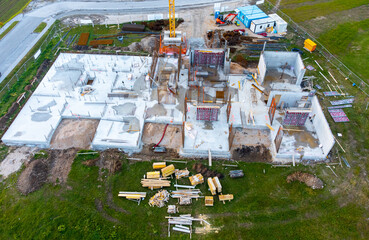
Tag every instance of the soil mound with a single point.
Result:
(258, 153)
(200, 168)
(33, 177)
(307, 178)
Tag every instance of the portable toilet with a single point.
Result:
(216, 10)
(309, 45)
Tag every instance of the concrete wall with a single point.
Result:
(322, 127)
(289, 98)
(261, 69)
(278, 59)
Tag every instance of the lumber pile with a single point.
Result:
(172, 209)
(167, 171)
(196, 179)
(181, 173)
(217, 184)
(153, 175)
(185, 201)
(236, 173)
(155, 183)
(212, 187)
(209, 201)
(191, 193)
(159, 199)
(183, 223)
(159, 165)
(225, 197)
(133, 196)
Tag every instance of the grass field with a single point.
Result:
(40, 27)
(265, 207)
(3, 34)
(9, 8)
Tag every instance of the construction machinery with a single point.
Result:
(172, 42)
(227, 20)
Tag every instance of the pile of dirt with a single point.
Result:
(241, 60)
(200, 168)
(111, 160)
(76, 133)
(148, 44)
(4, 119)
(160, 24)
(60, 163)
(258, 153)
(307, 178)
(236, 68)
(233, 38)
(33, 177)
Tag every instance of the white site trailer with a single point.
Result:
(260, 25)
(280, 25)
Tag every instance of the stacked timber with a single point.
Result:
(153, 175)
(209, 201)
(159, 165)
(132, 195)
(217, 184)
(155, 183)
(196, 179)
(183, 223)
(167, 171)
(225, 197)
(159, 199)
(191, 193)
(181, 173)
(212, 187)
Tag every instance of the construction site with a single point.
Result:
(182, 122)
(186, 84)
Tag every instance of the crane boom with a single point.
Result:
(172, 18)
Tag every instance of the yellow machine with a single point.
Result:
(172, 19)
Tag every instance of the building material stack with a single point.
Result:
(196, 179)
(167, 171)
(183, 223)
(236, 173)
(159, 199)
(212, 187)
(155, 183)
(181, 173)
(159, 165)
(133, 196)
(153, 175)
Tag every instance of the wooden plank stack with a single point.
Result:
(196, 179)
(153, 175)
(181, 173)
(183, 223)
(212, 187)
(225, 197)
(155, 183)
(159, 165)
(167, 171)
(217, 184)
(209, 201)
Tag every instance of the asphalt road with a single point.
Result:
(16, 44)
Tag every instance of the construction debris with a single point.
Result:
(159, 199)
(209, 201)
(155, 183)
(185, 201)
(159, 165)
(181, 173)
(225, 197)
(236, 174)
(172, 209)
(196, 179)
(167, 171)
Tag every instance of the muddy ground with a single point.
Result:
(310, 180)
(77, 133)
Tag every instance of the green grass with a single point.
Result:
(3, 34)
(307, 12)
(265, 207)
(40, 27)
(350, 42)
(42, 154)
(10, 8)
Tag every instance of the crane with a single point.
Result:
(172, 19)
